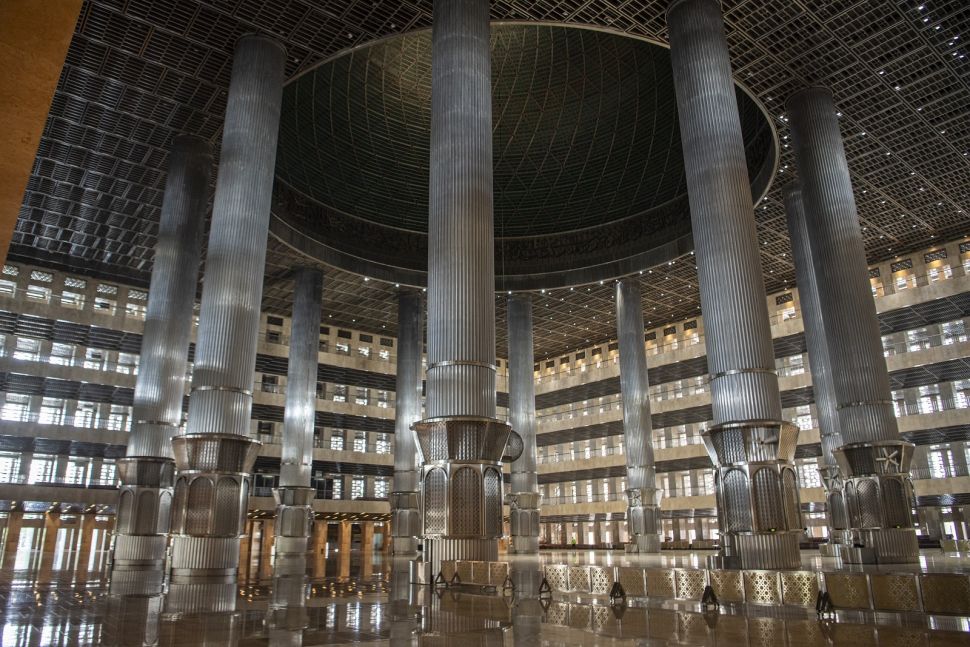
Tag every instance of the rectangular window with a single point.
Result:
(38, 293)
(360, 441)
(62, 354)
(380, 488)
(135, 310)
(117, 417)
(93, 359)
(340, 393)
(364, 351)
(104, 306)
(85, 415)
(8, 288)
(383, 445)
(337, 441)
(9, 467)
(127, 364)
(41, 469)
(342, 348)
(338, 488)
(363, 397)
(357, 488)
(16, 407)
(51, 411)
(27, 349)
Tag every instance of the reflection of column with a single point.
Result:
(134, 606)
(147, 471)
(461, 440)
(52, 524)
(11, 540)
(344, 539)
(819, 361)
(751, 446)
(268, 526)
(294, 496)
(524, 499)
(405, 499)
(216, 453)
(287, 616)
(642, 511)
(875, 460)
(86, 530)
(366, 550)
(320, 549)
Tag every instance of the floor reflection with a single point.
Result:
(374, 603)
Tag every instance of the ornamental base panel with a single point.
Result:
(642, 519)
(524, 522)
(204, 559)
(294, 520)
(647, 544)
(139, 553)
(144, 512)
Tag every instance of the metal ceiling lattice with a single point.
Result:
(140, 71)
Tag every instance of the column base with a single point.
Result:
(441, 549)
(144, 513)
(139, 553)
(890, 545)
(204, 560)
(647, 543)
(523, 545)
(404, 546)
(762, 551)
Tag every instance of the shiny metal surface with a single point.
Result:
(823, 385)
(214, 493)
(848, 318)
(147, 471)
(524, 498)
(301, 379)
(405, 499)
(744, 387)
(643, 513)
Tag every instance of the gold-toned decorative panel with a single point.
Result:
(558, 577)
(799, 588)
(601, 580)
(690, 583)
(579, 616)
(894, 592)
(497, 572)
(480, 572)
(631, 579)
(761, 587)
(557, 613)
(601, 618)
(579, 579)
(660, 583)
(765, 632)
(848, 590)
(945, 593)
(693, 628)
(728, 585)
(447, 569)
(464, 571)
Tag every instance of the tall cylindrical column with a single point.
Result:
(405, 499)
(819, 360)
(875, 461)
(642, 512)
(294, 496)
(148, 471)
(461, 440)
(524, 499)
(753, 449)
(216, 453)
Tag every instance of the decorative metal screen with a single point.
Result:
(199, 507)
(736, 499)
(435, 501)
(768, 503)
(493, 503)
(466, 496)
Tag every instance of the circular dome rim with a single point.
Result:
(307, 244)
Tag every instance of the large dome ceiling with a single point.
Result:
(589, 179)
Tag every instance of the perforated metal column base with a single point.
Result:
(479, 550)
(204, 559)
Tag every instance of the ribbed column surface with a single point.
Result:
(301, 379)
(744, 385)
(634, 385)
(225, 355)
(859, 371)
(461, 272)
(216, 453)
(408, 390)
(815, 338)
(160, 386)
(522, 392)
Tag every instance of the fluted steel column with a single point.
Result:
(461, 440)
(294, 496)
(753, 448)
(524, 499)
(148, 470)
(642, 512)
(406, 499)
(819, 361)
(216, 454)
(875, 461)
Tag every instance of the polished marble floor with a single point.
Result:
(376, 605)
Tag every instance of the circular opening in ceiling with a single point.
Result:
(589, 179)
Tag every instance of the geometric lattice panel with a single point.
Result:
(894, 592)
